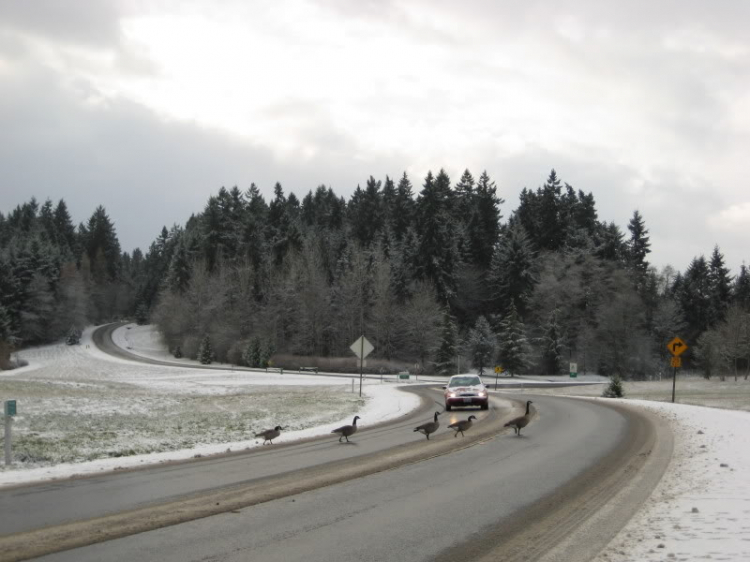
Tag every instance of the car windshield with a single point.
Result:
(464, 381)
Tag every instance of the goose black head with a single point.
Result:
(278, 428)
(472, 418)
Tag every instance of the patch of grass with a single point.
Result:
(67, 424)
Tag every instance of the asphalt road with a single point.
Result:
(390, 496)
(452, 506)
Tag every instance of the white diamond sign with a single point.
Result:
(362, 348)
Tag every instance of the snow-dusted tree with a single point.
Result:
(638, 246)
(513, 346)
(265, 356)
(6, 338)
(255, 353)
(38, 309)
(734, 335)
(552, 345)
(511, 277)
(205, 351)
(481, 344)
(720, 286)
(614, 389)
(445, 360)
(74, 336)
(178, 275)
(141, 314)
(483, 221)
(741, 289)
(693, 293)
(421, 317)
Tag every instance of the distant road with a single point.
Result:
(391, 495)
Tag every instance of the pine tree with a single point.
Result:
(614, 390)
(552, 346)
(446, 354)
(511, 277)
(205, 351)
(694, 296)
(741, 289)
(178, 276)
(435, 258)
(513, 345)
(74, 336)
(720, 286)
(638, 246)
(551, 234)
(484, 222)
(481, 344)
(141, 314)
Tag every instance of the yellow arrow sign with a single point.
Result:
(677, 347)
(498, 369)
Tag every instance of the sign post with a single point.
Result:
(676, 347)
(498, 370)
(361, 348)
(9, 412)
(573, 370)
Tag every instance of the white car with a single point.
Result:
(465, 390)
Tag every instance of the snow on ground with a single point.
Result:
(701, 508)
(82, 411)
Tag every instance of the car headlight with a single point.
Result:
(482, 394)
(452, 395)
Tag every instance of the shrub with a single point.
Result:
(614, 390)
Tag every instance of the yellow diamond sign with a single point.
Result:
(677, 347)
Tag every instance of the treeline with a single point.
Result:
(433, 277)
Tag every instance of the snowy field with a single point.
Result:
(82, 411)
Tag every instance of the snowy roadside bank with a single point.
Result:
(701, 508)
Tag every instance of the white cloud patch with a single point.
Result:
(735, 218)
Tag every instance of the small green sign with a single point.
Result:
(10, 407)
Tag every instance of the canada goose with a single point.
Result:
(429, 427)
(520, 421)
(270, 434)
(462, 425)
(347, 430)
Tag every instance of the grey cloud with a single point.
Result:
(72, 21)
(146, 172)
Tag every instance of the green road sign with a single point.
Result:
(10, 407)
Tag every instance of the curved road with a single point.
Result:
(482, 496)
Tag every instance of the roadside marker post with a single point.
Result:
(498, 370)
(676, 347)
(9, 412)
(361, 348)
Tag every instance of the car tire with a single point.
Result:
(447, 407)
(485, 406)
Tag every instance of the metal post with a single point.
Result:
(8, 456)
(361, 366)
(674, 382)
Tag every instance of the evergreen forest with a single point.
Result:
(434, 275)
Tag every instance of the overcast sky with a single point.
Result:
(149, 107)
